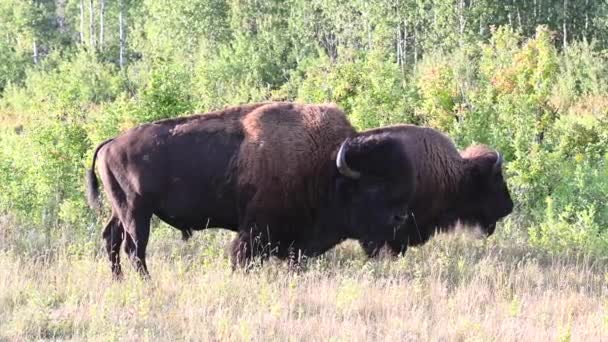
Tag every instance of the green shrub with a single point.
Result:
(371, 89)
(167, 93)
(64, 87)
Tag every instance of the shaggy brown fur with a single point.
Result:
(294, 144)
(450, 187)
(478, 151)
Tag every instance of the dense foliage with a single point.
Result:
(530, 78)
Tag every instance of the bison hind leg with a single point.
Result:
(113, 234)
(137, 228)
(138, 262)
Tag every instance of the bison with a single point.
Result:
(290, 179)
(450, 187)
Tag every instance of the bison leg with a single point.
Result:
(186, 234)
(138, 231)
(374, 249)
(113, 235)
(240, 252)
(371, 248)
(396, 248)
(296, 259)
(247, 246)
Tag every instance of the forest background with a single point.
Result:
(529, 78)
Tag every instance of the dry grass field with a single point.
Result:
(456, 288)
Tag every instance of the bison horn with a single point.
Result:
(342, 166)
(499, 161)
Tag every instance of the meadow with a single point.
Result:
(458, 287)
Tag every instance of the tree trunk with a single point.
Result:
(121, 28)
(60, 15)
(586, 20)
(35, 52)
(415, 46)
(565, 43)
(102, 10)
(398, 44)
(519, 18)
(92, 23)
(81, 21)
(404, 52)
(461, 22)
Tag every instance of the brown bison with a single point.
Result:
(450, 187)
(290, 179)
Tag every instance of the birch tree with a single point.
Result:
(102, 11)
(92, 24)
(122, 36)
(82, 41)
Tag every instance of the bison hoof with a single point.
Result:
(117, 276)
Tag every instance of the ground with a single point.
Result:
(456, 288)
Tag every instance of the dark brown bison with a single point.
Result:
(290, 179)
(450, 187)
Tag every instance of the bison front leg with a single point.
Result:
(113, 235)
(296, 258)
(248, 246)
(240, 251)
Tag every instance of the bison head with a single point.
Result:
(488, 193)
(370, 189)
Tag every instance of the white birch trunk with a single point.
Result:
(102, 10)
(565, 31)
(92, 23)
(121, 28)
(81, 21)
(35, 52)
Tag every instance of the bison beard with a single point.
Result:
(450, 187)
(289, 179)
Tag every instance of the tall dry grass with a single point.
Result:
(455, 288)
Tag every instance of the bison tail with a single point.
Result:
(93, 190)
(92, 182)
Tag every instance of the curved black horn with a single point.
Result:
(342, 166)
(499, 161)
